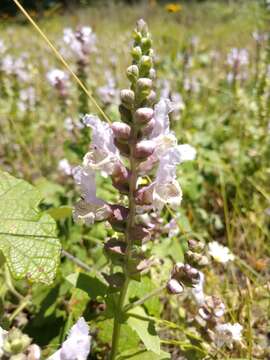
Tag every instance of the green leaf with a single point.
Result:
(90, 284)
(137, 354)
(60, 213)
(128, 338)
(145, 329)
(139, 289)
(27, 237)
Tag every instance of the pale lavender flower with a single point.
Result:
(227, 334)
(15, 67)
(90, 208)
(104, 155)
(108, 93)
(77, 345)
(191, 84)
(65, 167)
(33, 352)
(81, 42)
(237, 56)
(172, 228)
(57, 77)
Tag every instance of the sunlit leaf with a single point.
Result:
(27, 237)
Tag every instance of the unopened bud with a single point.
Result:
(144, 196)
(136, 53)
(212, 309)
(127, 97)
(34, 352)
(174, 287)
(152, 73)
(118, 217)
(186, 274)
(194, 245)
(149, 127)
(121, 130)
(151, 98)
(120, 178)
(196, 259)
(133, 73)
(144, 84)
(144, 149)
(146, 44)
(142, 27)
(145, 65)
(144, 115)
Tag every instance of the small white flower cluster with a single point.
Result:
(77, 345)
(220, 253)
(80, 42)
(2, 47)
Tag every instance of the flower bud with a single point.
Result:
(144, 196)
(152, 74)
(144, 149)
(146, 44)
(151, 98)
(145, 65)
(149, 127)
(142, 27)
(136, 53)
(127, 97)
(132, 73)
(196, 259)
(115, 280)
(121, 130)
(144, 84)
(140, 234)
(194, 245)
(174, 287)
(186, 274)
(118, 217)
(144, 115)
(120, 178)
(115, 250)
(212, 309)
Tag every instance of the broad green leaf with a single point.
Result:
(145, 330)
(90, 284)
(128, 338)
(139, 354)
(139, 289)
(27, 237)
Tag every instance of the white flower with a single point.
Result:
(90, 208)
(3, 335)
(197, 290)
(77, 345)
(56, 77)
(226, 334)
(27, 99)
(104, 155)
(220, 253)
(65, 167)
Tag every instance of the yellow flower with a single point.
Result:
(173, 7)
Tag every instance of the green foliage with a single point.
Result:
(27, 237)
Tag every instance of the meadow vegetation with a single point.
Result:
(212, 60)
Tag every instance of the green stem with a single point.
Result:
(129, 240)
